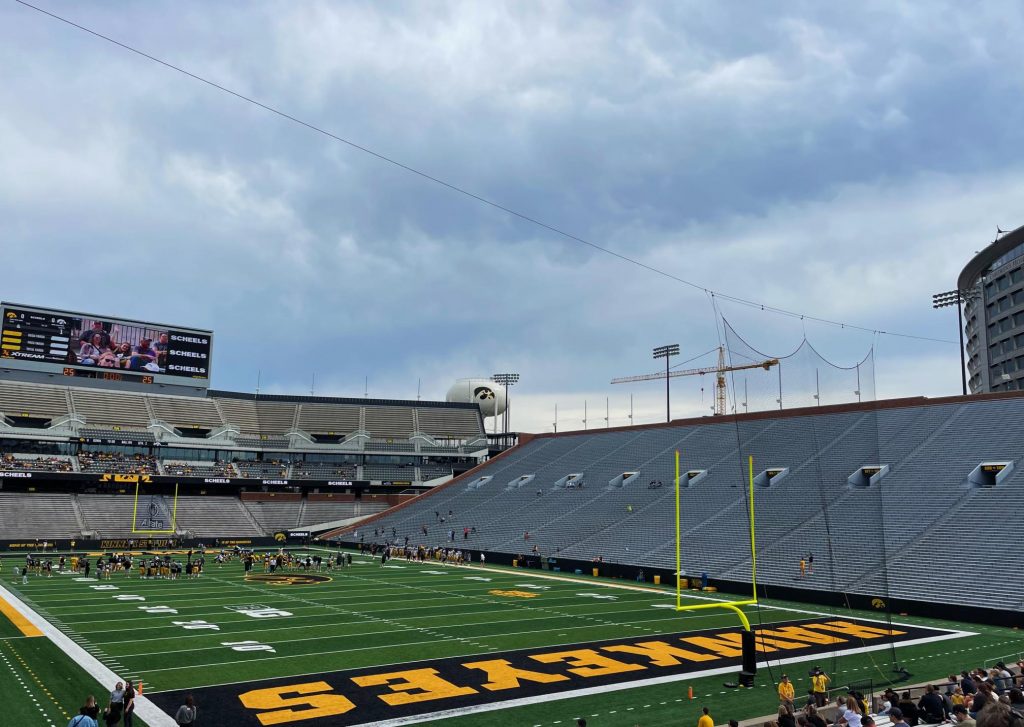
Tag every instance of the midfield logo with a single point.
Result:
(288, 579)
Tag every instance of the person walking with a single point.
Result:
(128, 703)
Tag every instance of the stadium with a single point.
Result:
(814, 523)
(360, 561)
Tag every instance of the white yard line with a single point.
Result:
(145, 709)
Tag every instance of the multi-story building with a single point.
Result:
(992, 284)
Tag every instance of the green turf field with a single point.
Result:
(193, 635)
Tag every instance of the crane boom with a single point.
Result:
(767, 364)
(720, 370)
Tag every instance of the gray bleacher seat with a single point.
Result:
(866, 540)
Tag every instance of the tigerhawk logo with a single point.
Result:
(288, 579)
(280, 537)
(483, 393)
(878, 603)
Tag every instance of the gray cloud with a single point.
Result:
(840, 163)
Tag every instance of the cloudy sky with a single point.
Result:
(837, 162)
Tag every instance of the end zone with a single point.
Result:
(433, 689)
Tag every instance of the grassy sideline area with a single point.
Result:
(221, 629)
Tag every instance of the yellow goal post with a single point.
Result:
(734, 606)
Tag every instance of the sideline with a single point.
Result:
(144, 709)
(26, 627)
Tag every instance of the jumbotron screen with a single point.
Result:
(114, 349)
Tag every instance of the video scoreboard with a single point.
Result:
(100, 347)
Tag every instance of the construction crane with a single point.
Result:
(720, 371)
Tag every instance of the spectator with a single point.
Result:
(851, 713)
(90, 350)
(186, 714)
(908, 709)
(143, 356)
(896, 715)
(932, 708)
(813, 718)
(997, 714)
(580, 722)
(967, 683)
(1017, 699)
(785, 717)
(162, 347)
(705, 719)
(961, 716)
(982, 697)
(90, 334)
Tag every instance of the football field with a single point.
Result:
(419, 643)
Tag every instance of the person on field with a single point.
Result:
(128, 703)
(87, 714)
(186, 714)
(786, 691)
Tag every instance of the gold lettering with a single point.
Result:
(858, 631)
(718, 644)
(804, 634)
(660, 653)
(426, 681)
(323, 705)
(502, 675)
(587, 662)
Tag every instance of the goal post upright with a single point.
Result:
(749, 668)
(734, 606)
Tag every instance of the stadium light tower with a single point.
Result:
(957, 298)
(667, 352)
(508, 381)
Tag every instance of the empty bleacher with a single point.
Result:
(383, 422)
(328, 418)
(867, 540)
(37, 516)
(454, 423)
(186, 412)
(33, 400)
(214, 516)
(111, 408)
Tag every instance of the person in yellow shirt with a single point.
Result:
(705, 719)
(819, 687)
(786, 691)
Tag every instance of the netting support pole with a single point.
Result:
(753, 546)
(679, 565)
